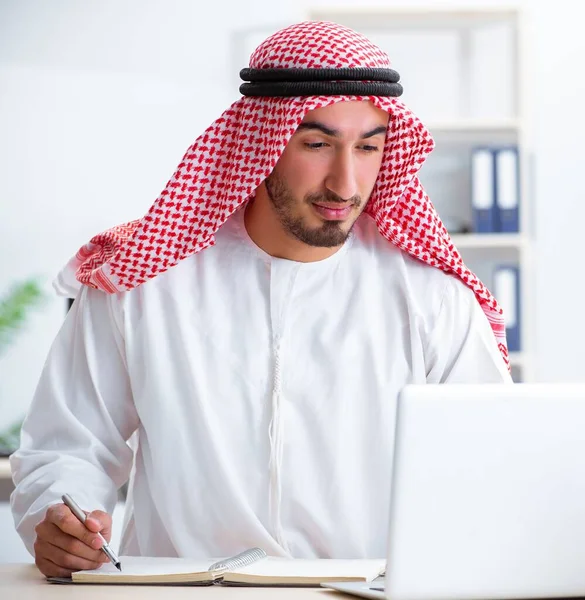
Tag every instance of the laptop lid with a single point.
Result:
(488, 493)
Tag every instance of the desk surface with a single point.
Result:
(26, 583)
(5, 469)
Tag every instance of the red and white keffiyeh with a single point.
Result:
(228, 162)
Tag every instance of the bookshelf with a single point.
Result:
(476, 62)
(486, 240)
(475, 126)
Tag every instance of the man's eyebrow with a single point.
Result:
(375, 131)
(320, 127)
(335, 133)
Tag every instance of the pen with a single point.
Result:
(68, 500)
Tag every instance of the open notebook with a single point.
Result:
(251, 567)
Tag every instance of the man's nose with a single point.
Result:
(341, 179)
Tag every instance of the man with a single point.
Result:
(255, 327)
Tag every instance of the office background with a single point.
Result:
(99, 100)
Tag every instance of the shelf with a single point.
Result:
(414, 18)
(5, 469)
(489, 240)
(466, 125)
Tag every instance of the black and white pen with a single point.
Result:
(76, 510)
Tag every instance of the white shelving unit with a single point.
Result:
(490, 240)
(474, 126)
(469, 90)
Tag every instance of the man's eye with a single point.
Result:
(315, 145)
(370, 148)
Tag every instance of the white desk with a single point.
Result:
(26, 583)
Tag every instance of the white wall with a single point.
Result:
(560, 191)
(99, 99)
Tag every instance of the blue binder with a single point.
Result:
(483, 190)
(507, 292)
(507, 189)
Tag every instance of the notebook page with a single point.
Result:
(314, 568)
(140, 566)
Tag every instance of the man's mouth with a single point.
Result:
(333, 211)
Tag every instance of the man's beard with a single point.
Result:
(329, 235)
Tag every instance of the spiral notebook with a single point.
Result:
(252, 567)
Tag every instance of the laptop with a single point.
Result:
(488, 494)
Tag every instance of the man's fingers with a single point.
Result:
(50, 569)
(45, 551)
(98, 520)
(51, 533)
(65, 560)
(66, 521)
(64, 544)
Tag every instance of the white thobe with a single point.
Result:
(262, 391)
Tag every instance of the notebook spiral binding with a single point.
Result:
(239, 560)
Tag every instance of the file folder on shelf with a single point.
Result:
(507, 189)
(483, 190)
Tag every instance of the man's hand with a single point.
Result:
(64, 544)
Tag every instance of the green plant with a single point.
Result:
(14, 309)
(10, 438)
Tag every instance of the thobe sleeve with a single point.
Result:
(75, 436)
(462, 347)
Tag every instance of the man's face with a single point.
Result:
(327, 172)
